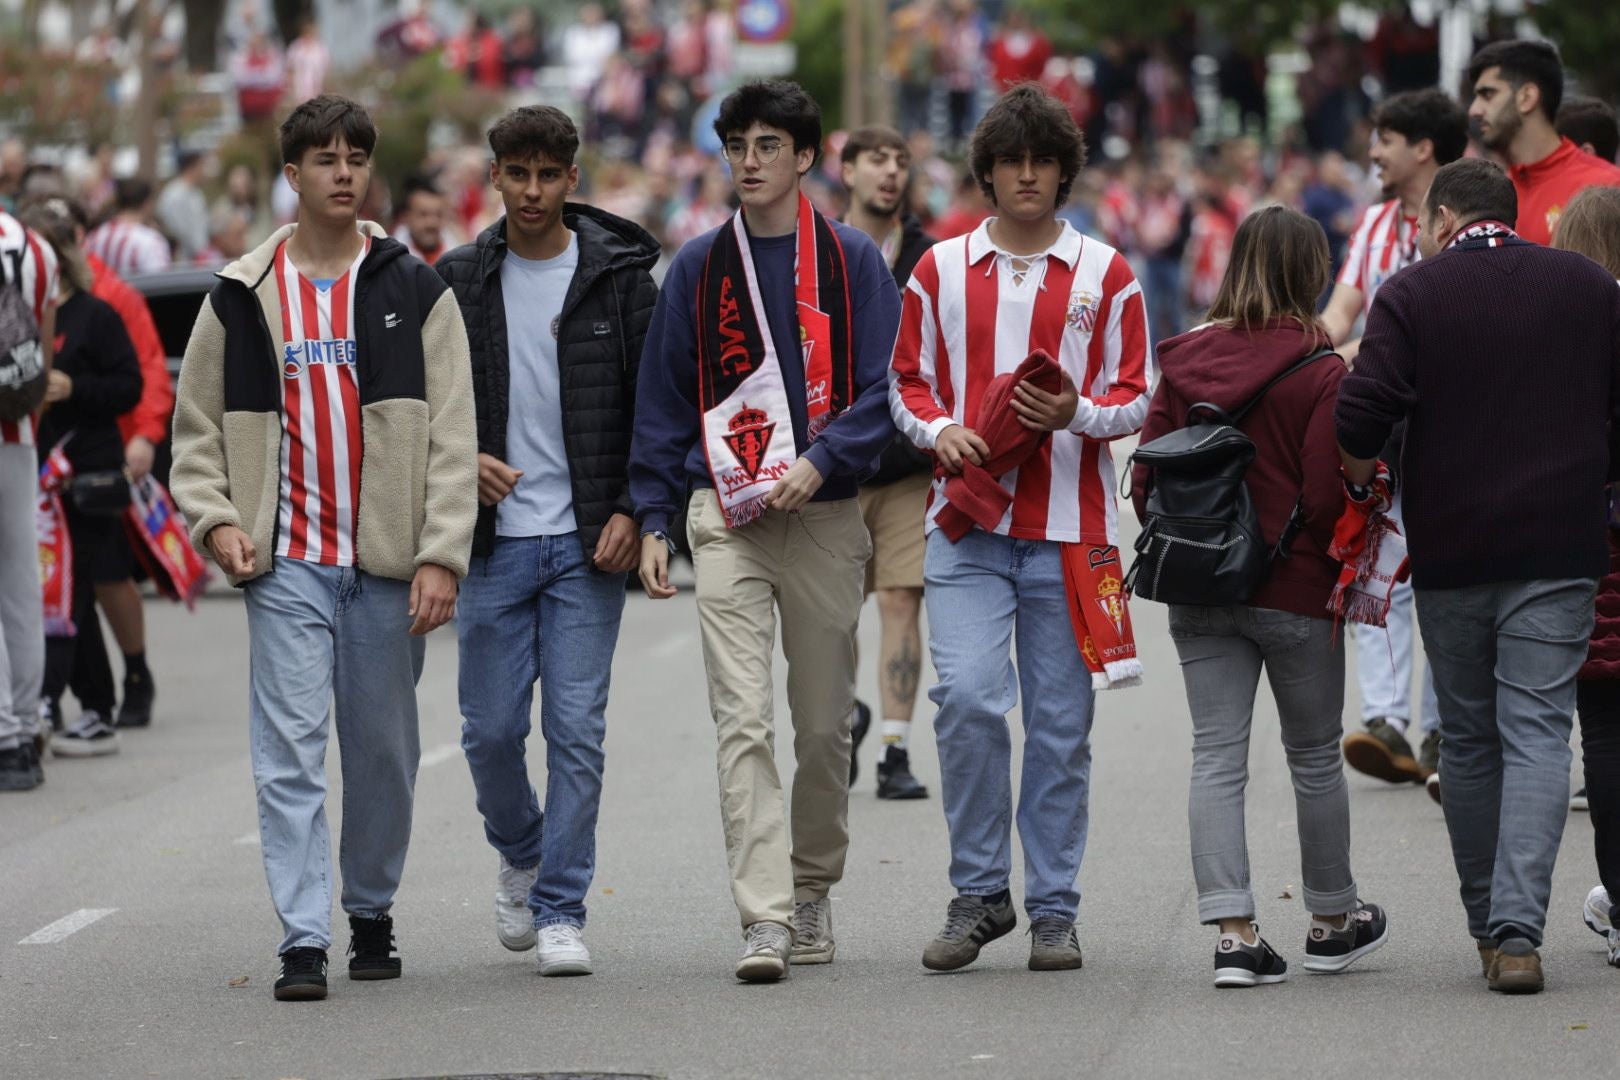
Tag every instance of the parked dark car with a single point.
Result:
(174, 296)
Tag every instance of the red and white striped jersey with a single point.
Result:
(320, 416)
(129, 247)
(1384, 242)
(27, 263)
(968, 316)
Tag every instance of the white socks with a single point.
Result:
(896, 733)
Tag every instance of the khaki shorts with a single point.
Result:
(894, 516)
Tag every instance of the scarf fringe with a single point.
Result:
(745, 512)
(1118, 675)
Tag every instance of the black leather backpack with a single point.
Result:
(1201, 542)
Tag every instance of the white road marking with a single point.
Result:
(671, 646)
(66, 926)
(440, 754)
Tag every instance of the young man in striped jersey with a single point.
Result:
(976, 307)
(325, 457)
(1414, 134)
(27, 264)
(127, 241)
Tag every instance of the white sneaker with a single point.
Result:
(88, 736)
(813, 932)
(563, 951)
(766, 946)
(514, 922)
(1596, 911)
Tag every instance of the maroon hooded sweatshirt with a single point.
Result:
(1297, 447)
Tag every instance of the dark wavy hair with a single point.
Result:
(1426, 114)
(320, 120)
(1027, 120)
(535, 131)
(775, 103)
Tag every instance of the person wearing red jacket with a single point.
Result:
(1263, 323)
(143, 429)
(1518, 86)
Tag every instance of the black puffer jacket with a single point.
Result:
(603, 324)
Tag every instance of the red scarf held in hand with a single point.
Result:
(1098, 611)
(158, 534)
(1373, 553)
(55, 545)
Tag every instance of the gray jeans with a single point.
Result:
(1505, 658)
(1223, 650)
(22, 628)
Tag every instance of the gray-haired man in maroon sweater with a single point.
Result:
(1504, 359)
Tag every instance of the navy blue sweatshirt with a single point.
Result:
(666, 453)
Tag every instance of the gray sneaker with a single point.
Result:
(813, 932)
(766, 946)
(971, 922)
(1053, 945)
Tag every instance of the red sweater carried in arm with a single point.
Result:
(150, 416)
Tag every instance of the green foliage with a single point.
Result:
(818, 34)
(54, 99)
(1588, 36)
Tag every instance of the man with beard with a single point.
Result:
(876, 172)
(1414, 134)
(1518, 86)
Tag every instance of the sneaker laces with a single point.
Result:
(962, 916)
(763, 937)
(303, 960)
(372, 935)
(807, 921)
(86, 725)
(1051, 933)
(565, 935)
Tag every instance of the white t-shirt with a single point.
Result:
(533, 290)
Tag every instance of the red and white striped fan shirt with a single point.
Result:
(1384, 242)
(320, 416)
(27, 263)
(968, 316)
(129, 247)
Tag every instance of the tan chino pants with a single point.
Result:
(811, 567)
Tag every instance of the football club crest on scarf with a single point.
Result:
(1082, 313)
(749, 438)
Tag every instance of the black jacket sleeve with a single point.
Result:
(109, 384)
(640, 298)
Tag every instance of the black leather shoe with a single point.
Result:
(894, 777)
(857, 732)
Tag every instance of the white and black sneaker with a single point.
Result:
(88, 736)
(1238, 963)
(1330, 949)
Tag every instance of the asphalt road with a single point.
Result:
(153, 855)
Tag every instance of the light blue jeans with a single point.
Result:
(320, 636)
(535, 609)
(981, 592)
(1505, 658)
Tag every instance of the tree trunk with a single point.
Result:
(290, 14)
(203, 19)
(146, 101)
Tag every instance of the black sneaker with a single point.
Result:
(1330, 949)
(17, 769)
(136, 711)
(1237, 963)
(303, 975)
(857, 732)
(371, 948)
(1578, 800)
(971, 922)
(894, 777)
(90, 736)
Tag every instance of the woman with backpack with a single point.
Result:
(1590, 225)
(1263, 327)
(95, 378)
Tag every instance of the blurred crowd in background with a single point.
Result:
(1183, 139)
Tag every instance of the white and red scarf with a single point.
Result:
(1485, 234)
(55, 545)
(747, 421)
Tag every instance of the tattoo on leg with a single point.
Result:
(902, 674)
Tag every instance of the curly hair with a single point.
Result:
(1027, 120)
(535, 131)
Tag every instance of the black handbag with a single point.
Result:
(104, 493)
(1200, 542)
